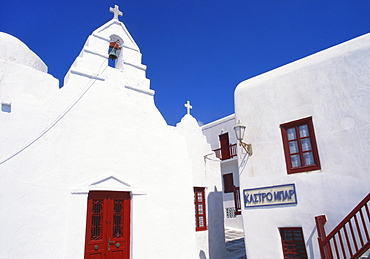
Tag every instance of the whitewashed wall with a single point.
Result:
(101, 131)
(332, 86)
(206, 173)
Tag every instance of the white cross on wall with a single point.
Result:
(115, 12)
(188, 106)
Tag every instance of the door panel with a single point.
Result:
(108, 225)
(95, 256)
(224, 143)
(117, 254)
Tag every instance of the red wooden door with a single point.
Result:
(224, 143)
(108, 225)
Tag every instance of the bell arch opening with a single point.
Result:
(115, 52)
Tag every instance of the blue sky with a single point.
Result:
(197, 50)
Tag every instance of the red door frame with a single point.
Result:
(108, 225)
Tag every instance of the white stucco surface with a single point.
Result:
(332, 86)
(206, 173)
(26, 87)
(15, 51)
(101, 131)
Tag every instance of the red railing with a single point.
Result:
(350, 239)
(226, 152)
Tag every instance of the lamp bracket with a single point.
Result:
(247, 147)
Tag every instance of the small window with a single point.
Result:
(228, 183)
(293, 243)
(230, 213)
(300, 147)
(6, 107)
(200, 209)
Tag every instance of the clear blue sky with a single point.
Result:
(197, 50)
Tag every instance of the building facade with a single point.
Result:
(308, 123)
(92, 170)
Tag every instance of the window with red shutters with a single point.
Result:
(200, 209)
(293, 243)
(300, 147)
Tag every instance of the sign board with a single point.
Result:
(271, 195)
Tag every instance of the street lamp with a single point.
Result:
(239, 133)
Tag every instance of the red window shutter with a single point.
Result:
(200, 209)
(293, 243)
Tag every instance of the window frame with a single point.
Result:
(6, 107)
(286, 244)
(196, 204)
(295, 124)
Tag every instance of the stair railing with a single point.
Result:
(350, 238)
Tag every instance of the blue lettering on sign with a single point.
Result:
(251, 200)
(285, 195)
(264, 197)
(246, 198)
(270, 197)
(277, 196)
(257, 197)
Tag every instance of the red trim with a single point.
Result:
(108, 225)
(231, 152)
(300, 152)
(200, 209)
(353, 233)
(224, 144)
(293, 243)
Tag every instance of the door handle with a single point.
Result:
(110, 243)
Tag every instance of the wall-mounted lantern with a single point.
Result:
(239, 133)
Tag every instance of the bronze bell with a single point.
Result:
(113, 54)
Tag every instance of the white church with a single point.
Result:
(92, 170)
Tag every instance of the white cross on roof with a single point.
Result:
(115, 12)
(188, 107)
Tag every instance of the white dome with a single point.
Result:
(14, 50)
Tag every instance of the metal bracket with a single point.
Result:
(247, 147)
